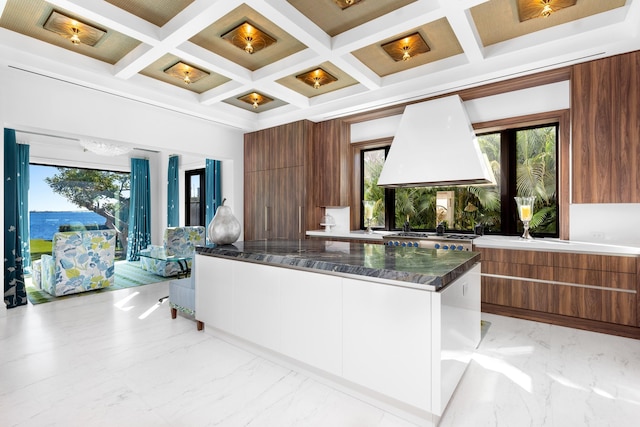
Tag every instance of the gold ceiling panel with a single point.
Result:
(438, 35)
(29, 16)
(505, 12)
(406, 48)
(186, 73)
(211, 39)
(255, 99)
(245, 101)
(73, 28)
(198, 85)
(303, 88)
(333, 20)
(249, 38)
(531, 9)
(316, 78)
(158, 12)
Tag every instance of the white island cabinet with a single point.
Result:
(403, 348)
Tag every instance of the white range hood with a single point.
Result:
(435, 146)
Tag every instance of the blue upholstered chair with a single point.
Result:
(36, 273)
(182, 297)
(80, 261)
(178, 242)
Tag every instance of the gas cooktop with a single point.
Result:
(423, 235)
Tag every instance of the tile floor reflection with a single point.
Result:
(117, 359)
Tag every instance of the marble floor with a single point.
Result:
(117, 359)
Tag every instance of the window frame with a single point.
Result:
(561, 118)
(187, 199)
(508, 165)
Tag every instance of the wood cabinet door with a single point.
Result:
(605, 98)
(255, 206)
(287, 144)
(255, 152)
(285, 203)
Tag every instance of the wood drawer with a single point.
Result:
(622, 264)
(517, 256)
(603, 305)
(601, 288)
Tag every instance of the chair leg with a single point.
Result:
(174, 313)
(199, 325)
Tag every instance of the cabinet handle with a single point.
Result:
(299, 219)
(266, 218)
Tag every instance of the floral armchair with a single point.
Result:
(175, 255)
(80, 261)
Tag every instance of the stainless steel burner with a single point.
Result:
(463, 242)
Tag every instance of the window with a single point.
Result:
(195, 190)
(372, 162)
(524, 162)
(66, 199)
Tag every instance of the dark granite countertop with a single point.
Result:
(429, 269)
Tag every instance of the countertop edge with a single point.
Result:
(554, 245)
(507, 242)
(385, 276)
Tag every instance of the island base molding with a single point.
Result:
(560, 320)
(400, 409)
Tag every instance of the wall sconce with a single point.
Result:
(185, 72)
(343, 4)
(316, 78)
(530, 9)
(76, 31)
(406, 48)
(248, 38)
(255, 99)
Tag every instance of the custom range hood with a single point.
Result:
(435, 146)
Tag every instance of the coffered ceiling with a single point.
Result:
(148, 45)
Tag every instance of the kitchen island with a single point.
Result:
(393, 326)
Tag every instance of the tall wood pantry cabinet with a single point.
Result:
(605, 108)
(275, 176)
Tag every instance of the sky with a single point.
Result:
(41, 196)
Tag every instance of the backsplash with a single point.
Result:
(341, 214)
(608, 223)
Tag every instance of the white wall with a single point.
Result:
(601, 223)
(512, 104)
(33, 103)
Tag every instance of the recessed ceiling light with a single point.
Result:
(76, 31)
(406, 48)
(530, 9)
(255, 99)
(185, 72)
(316, 78)
(346, 3)
(249, 38)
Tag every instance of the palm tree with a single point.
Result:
(536, 175)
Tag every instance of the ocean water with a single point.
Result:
(43, 224)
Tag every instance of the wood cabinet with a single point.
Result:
(605, 108)
(276, 171)
(587, 291)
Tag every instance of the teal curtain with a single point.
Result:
(15, 292)
(23, 203)
(212, 188)
(139, 209)
(173, 193)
